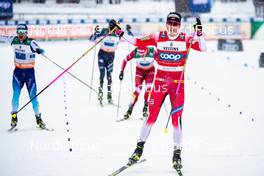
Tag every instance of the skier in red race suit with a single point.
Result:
(145, 71)
(173, 49)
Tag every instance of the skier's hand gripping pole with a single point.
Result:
(66, 70)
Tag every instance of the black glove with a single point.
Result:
(198, 27)
(40, 51)
(121, 75)
(113, 24)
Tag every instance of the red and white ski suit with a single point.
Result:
(172, 55)
(145, 71)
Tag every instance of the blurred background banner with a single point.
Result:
(53, 32)
(75, 19)
(213, 30)
(200, 6)
(6, 9)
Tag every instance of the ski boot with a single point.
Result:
(128, 113)
(40, 122)
(13, 120)
(137, 153)
(145, 111)
(109, 97)
(100, 95)
(176, 159)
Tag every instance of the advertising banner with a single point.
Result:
(6, 9)
(212, 30)
(200, 6)
(49, 32)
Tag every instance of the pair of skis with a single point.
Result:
(125, 118)
(109, 103)
(128, 165)
(123, 168)
(14, 129)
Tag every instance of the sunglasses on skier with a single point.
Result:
(21, 31)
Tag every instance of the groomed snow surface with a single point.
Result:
(219, 140)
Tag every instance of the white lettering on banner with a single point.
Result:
(172, 46)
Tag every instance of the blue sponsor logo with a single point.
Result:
(170, 57)
(144, 64)
(109, 44)
(20, 56)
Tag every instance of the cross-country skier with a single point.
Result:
(172, 47)
(24, 73)
(106, 57)
(145, 71)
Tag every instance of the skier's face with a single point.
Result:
(22, 34)
(173, 28)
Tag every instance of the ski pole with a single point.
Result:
(131, 70)
(178, 87)
(165, 107)
(90, 87)
(118, 102)
(92, 74)
(65, 71)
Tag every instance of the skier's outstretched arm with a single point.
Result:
(97, 33)
(35, 47)
(129, 57)
(198, 38)
(7, 39)
(142, 41)
(198, 42)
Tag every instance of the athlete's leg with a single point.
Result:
(157, 97)
(17, 84)
(138, 87)
(109, 68)
(101, 65)
(32, 89)
(177, 103)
